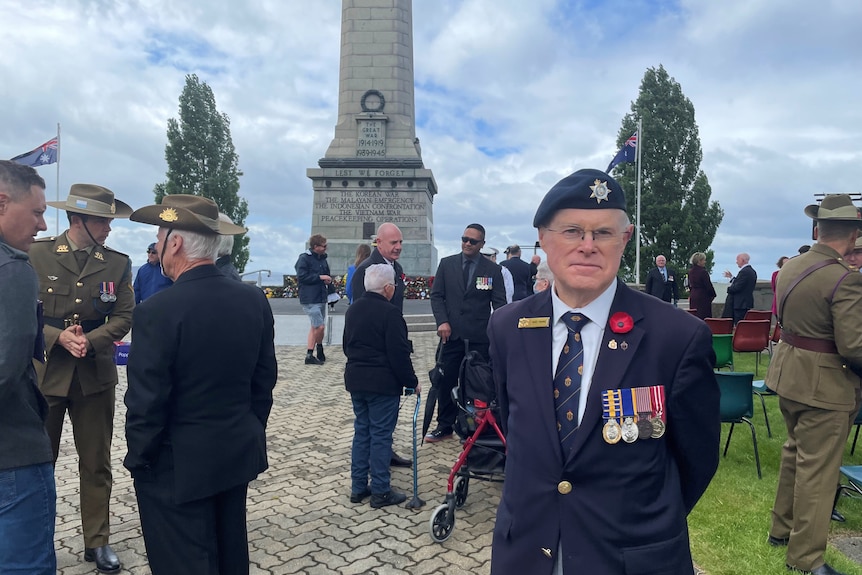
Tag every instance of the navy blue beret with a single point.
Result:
(584, 190)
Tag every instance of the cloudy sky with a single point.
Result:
(510, 97)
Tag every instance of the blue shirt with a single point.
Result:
(149, 280)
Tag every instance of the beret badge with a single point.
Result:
(600, 191)
(169, 215)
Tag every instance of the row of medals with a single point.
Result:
(632, 428)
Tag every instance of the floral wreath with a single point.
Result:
(621, 322)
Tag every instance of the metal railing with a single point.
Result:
(259, 276)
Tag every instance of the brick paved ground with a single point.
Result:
(299, 516)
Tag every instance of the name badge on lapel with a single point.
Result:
(532, 322)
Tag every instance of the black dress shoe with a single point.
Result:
(777, 541)
(392, 497)
(398, 461)
(361, 496)
(105, 558)
(836, 516)
(824, 569)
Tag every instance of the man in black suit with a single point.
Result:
(522, 272)
(377, 371)
(465, 289)
(661, 282)
(201, 373)
(386, 251)
(740, 292)
(609, 403)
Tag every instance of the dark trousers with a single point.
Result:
(451, 357)
(376, 415)
(202, 537)
(92, 419)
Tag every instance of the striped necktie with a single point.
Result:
(567, 381)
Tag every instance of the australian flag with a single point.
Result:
(44, 154)
(628, 153)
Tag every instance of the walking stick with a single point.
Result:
(415, 503)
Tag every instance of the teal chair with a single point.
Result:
(858, 423)
(758, 387)
(722, 345)
(737, 406)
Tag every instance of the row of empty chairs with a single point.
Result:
(751, 334)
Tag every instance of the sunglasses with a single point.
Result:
(152, 252)
(471, 241)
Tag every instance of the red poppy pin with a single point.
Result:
(621, 322)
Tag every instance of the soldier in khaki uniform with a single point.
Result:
(88, 300)
(814, 371)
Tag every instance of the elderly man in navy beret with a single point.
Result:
(613, 423)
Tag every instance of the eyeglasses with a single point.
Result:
(152, 252)
(577, 234)
(471, 241)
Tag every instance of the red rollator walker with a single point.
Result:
(484, 446)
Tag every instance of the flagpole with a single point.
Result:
(638, 212)
(57, 221)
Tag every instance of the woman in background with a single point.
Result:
(363, 252)
(701, 292)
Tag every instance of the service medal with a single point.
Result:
(611, 432)
(630, 430)
(645, 428)
(643, 409)
(658, 427)
(107, 292)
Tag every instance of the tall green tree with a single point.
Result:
(677, 216)
(203, 161)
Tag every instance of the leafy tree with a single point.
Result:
(202, 159)
(677, 216)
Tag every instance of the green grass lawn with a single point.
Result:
(729, 525)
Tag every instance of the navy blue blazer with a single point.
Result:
(626, 512)
(742, 288)
(201, 373)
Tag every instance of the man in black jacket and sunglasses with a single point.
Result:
(465, 289)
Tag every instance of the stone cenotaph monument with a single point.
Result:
(372, 171)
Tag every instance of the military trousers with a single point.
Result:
(92, 418)
(810, 462)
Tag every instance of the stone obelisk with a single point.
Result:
(373, 172)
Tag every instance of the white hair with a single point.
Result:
(198, 246)
(543, 272)
(377, 276)
(225, 246)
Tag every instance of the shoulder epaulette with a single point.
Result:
(112, 250)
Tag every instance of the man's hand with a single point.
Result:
(74, 341)
(444, 331)
(326, 279)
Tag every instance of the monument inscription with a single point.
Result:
(371, 140)
(370, 205)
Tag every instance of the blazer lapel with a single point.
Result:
(537, 345)
(613, 362)
(65, 256)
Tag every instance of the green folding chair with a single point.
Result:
(737, 406)
(722, 345)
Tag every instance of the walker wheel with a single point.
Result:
(462, 487)
(442, 523)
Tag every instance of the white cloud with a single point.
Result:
(510, 97)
